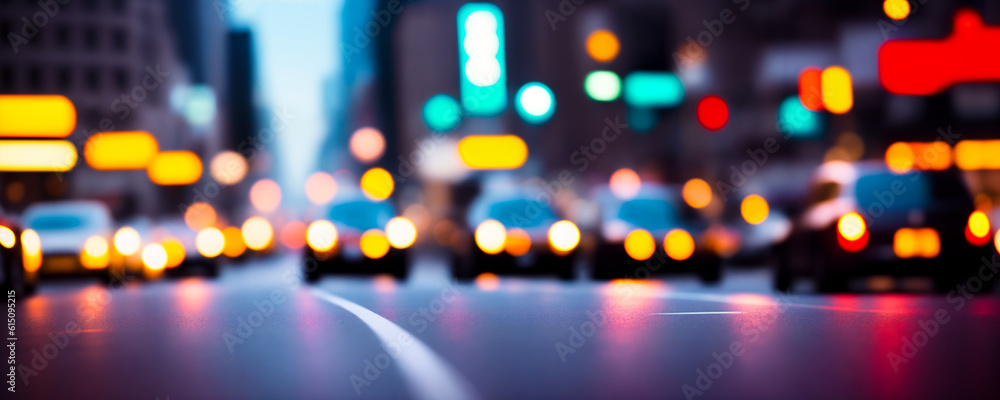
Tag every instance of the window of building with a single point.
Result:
(90, 39)
(93, 78)
(7, 78)
(65, 78)
(63, 36)
(119, 6)
(119, 40)
(121, 79)
(35, 83)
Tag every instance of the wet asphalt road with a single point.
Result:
(257, 333)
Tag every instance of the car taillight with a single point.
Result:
(977, 231)
(852, 232)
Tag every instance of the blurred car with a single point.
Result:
(652, 230)
(183, 252)
(73, 236)
(861, 219)
(358, 236)
(127, 244)
(11, 267)
(509, 232)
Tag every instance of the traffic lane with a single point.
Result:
(186, 339)
(538, 339)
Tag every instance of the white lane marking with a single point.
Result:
(427, 374)
(697, 313)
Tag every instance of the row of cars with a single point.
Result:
(851, 220)
(79, 237)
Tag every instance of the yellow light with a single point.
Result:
(374, 244)
(996, 241)
(321, 235)
(899, 157)
(228, 167)
(487, 281)
(493, 152)
(7, 238)
(518, 242)
(37, 155)
(175, 252)
(835, 85)
(491, 236)
(929, 242)
(377, 184)
(210, 242)
(904, 243)
(697, 193)
(321, 188)
(602, 46)
(639, 245)
(126, 241)
(896, 9)
(401, 232)
(265, 195)
(106, 151)
(234, 246)
(95, 253)
(679, 244)
(175, 168)
(625, 183)
(931, 155)
(41, 116)
(199, 215)
(257, 233)
(564, 236)
(979, 224)
(31, 250)
(154, 256)
(367, 144)
(851, 226)
(754, 209)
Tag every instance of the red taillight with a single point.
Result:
(977, 230)
(852, 232)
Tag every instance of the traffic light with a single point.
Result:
(483, 68)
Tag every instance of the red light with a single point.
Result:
(853, 246)
(809, 89)
(924, 67)
(713, 113)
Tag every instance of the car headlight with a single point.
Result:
(564, 236)
(210, 242)
(321, 235)
(401, 232)
(7, 238)
(678, 244)
(127, 241)
(640, 245)
(374, 244)
(31, 248)
(154, 256)
(95, 253)
(491, 236)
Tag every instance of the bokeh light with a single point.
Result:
(7, 238)
(602, 45)
(199, 215)
(899, 157)
(837, 90)
(564, 236)
(401, 232)
(293, 235)
(172, 168)
(697, 193)
(625, 183)
(640, 245)
(374, 244)
(678, 244)
(851, 226)
(442, 113)
(491, 236)
(896, 9)
(233, 246)
(602, 85)
(265, 195)
(321, 188)
(367, 144)
(377, 184)
(31, 250)
(321, 235)
(95, 253)
(535, 103)
(518, 242)
(257, 233)
(228, 168)
(796, 120)
(175, 252)
(154, 256)
(210, 242)
(754, 209)
(127, 241)
(713, 113)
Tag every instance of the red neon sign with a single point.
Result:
(923, 67)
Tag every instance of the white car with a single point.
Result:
(74, 238)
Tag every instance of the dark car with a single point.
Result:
(653, 230)
(510, 232)
(12, 271)
(863, 220)
(359, 236)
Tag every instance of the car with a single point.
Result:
(652, 230)
(181, 244)
(72, 238)
(512, 232)
(358, 236)
(862, 219)
(11, 267)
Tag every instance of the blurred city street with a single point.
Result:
(253, 334)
